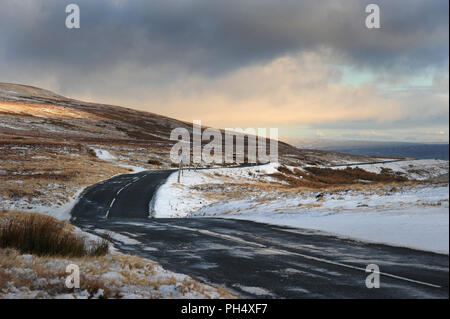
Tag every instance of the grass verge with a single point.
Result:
(45, 236)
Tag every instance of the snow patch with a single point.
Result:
(179, 200)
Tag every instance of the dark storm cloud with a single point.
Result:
(212, 37)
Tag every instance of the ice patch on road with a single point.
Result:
(254, 290)
(117, 237)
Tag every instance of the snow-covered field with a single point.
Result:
(113, 276)
(413, 169)
(415, 216)
(55, 209)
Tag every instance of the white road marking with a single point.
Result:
(110, 206)
(210, 233)
(120, 190)
(282, 251)
(358, 268)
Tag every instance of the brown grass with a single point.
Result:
(154, 162)
(317, 177)
(351, 175)
(43, 110)
(45, 236)
(49, 174)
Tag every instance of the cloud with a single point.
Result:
(293, 92)
(238, 62)
(216, 37)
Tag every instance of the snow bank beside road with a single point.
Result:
(417, 228)
(415, 217)
(179, 200)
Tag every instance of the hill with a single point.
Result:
(51, 146)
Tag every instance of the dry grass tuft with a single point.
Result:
(45, 236)
(153, 161)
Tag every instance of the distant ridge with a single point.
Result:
(376, 148)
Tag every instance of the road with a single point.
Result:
(255, 260)
(123, 196)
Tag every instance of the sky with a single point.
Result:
(310, 68)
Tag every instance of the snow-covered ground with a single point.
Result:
(412, 169)
(55, 209)
(113, 276)
(179, 200)
(105, 155)
(415, 216)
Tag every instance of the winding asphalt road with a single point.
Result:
(254, 260)
(123, 196)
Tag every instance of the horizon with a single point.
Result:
(312, 70)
